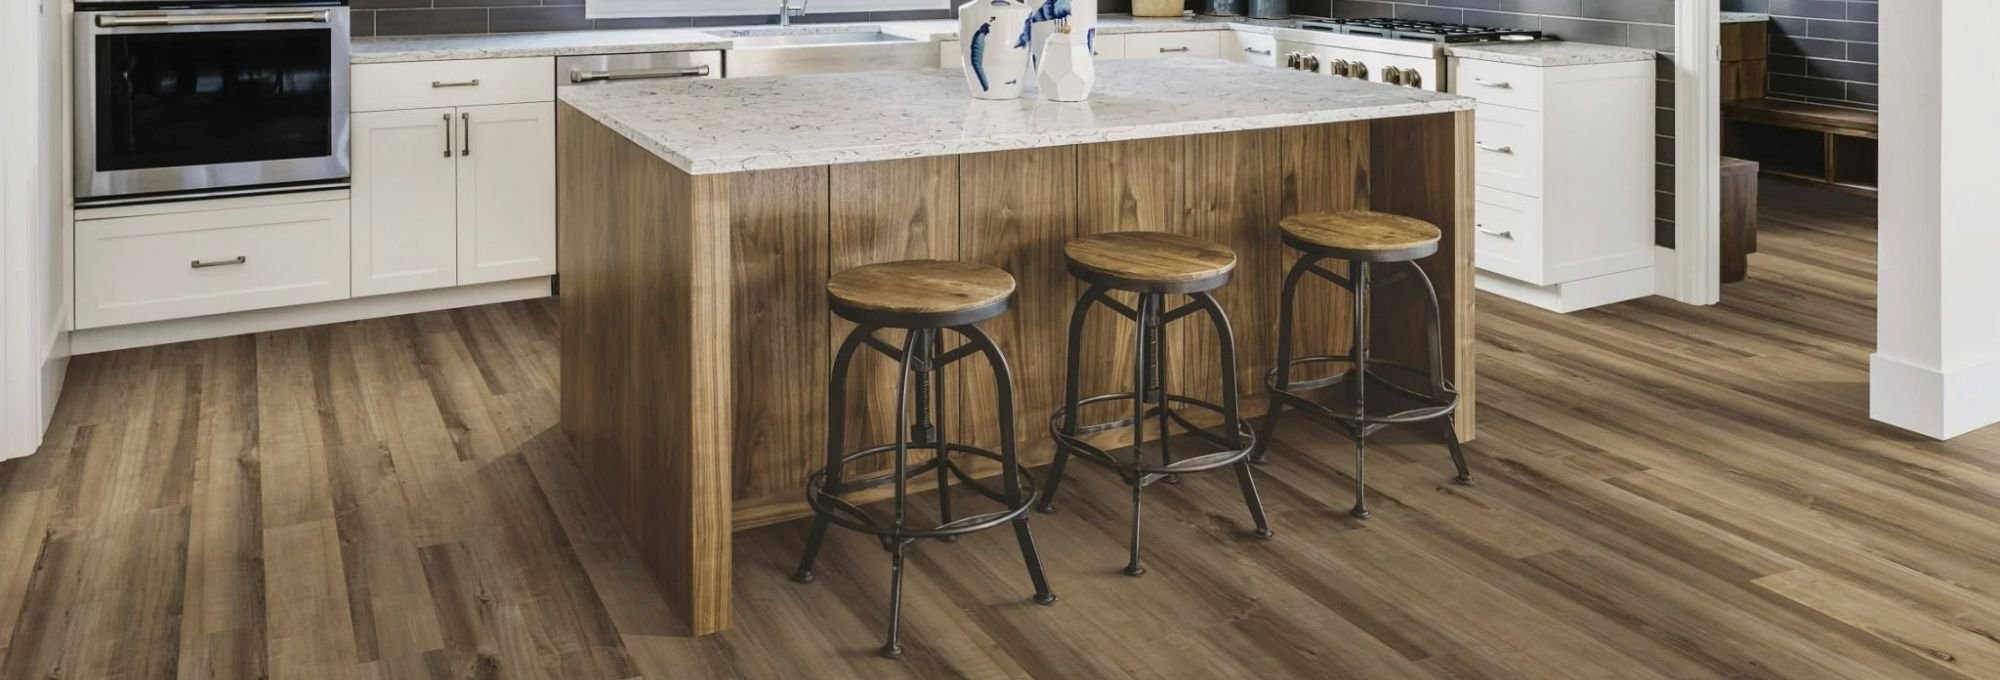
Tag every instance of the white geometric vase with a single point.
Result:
(988, 30)
(1067, 69)
(1081, 15)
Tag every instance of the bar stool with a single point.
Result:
(1363, 238)
(1154, 265)
(923, 298)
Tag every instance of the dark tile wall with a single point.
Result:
(436, 17)
(1821, 50)
(1646, 24)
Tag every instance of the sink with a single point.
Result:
(790, 51)
(790, 39)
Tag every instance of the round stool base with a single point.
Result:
(1134, 570)
(802, 577)
(1045, 599)
(1359, 512)
(891, 651)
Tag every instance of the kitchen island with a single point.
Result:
(699, 221)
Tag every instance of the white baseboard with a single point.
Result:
(93, 340)
(55, 363)
(1933, 403)
(1574, 295)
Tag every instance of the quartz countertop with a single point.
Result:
(729, 125)
(569, 43)
(1549, 53)
(1744, 17)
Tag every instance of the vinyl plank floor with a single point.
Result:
(1664, 492)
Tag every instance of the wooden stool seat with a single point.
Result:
(920, 293)
(1150, 261)
(1363, 235)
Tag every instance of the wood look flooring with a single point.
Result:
(1664, 492)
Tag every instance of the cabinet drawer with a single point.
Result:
(196, 263)
(1507, 149)
(1182, 44)
(1107, 46)
(1508, 234)
(1493, 83)
(1251, 48)
(465, 82)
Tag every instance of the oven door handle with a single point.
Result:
(117, 20)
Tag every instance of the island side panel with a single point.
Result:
(778, 229)
(880, 212)
(1016, 212)
(645, 381)
(1422, 167)
(1232, 189)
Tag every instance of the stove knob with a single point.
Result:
(1310, 62)
(1340, 67)
(1413, 78)
(1392, 75)
(1357, 69)
(1292, 60)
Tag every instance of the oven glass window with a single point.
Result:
(198, 98)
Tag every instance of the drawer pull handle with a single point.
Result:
(1481, 228)
(1256, 51)
(1496, 84)
(1483, 146)
(457, 83)
(1165, 50)
(198, 264)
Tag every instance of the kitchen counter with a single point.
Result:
(699, 222)
(1744, 17)
(1550, 53)
(567, 43)
(714, 126)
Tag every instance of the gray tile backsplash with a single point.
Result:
(1821, 50)
(1646, 24)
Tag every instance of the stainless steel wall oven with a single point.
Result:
(207, 98)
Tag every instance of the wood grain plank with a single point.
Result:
(778, 223)
(1421, 167)
(1124, 186)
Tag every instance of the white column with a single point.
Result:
(1936, 367)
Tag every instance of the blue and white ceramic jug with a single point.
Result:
(992, 41)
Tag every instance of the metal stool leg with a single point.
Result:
(1432, 327)
(836, 401)
(1283, 380)
(1003, 378)
(1231, 412)
(894, 647)
(1156, 390)
(895, 543)
(1148, 310)
(1359, 274)
(939, 430)
(1072, 393)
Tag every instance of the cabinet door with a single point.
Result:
(405, 222)
(506, 192)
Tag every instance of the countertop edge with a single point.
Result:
(896, 151)
(1554, 53)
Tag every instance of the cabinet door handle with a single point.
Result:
(1495, 84)
(1481, 228)
(456, 83)
(1256, 51)
(698, 71)
(447, 135)
(1483, 146)
(465, 121)
(198, 264)
(1165, 50)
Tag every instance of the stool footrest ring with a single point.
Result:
(839, 511)
(1429, 406)
(1075, 445)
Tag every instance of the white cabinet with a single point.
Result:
(1260, 49)
(454, 195)
(506, 192)
(405, 207)
(1564, 180)
(168, 261)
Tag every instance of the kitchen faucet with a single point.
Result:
(786, 11)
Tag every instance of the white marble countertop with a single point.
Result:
(1550, 53)
(1744, 17)
(567, 43)
(721, 125)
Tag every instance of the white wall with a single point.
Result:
(34, 273)
(1936, 368)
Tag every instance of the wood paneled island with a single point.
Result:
(699, 221)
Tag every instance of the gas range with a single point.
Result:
(1420, 31)
(1392, 51)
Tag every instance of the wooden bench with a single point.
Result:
(1739, 217)
(1812, 142)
